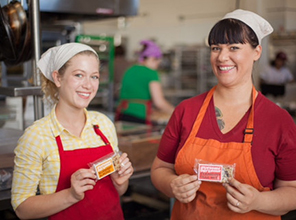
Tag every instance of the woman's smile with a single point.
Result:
(84, 94)
(226, 68)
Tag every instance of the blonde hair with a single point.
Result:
(49, 89)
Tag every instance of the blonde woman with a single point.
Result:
(55, 152)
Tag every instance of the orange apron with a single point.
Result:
(210, 201)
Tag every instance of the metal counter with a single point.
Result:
(20, 91)
(9, 138)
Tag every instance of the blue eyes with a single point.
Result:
(95, 77)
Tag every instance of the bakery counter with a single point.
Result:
(141, 150)
(140, 142)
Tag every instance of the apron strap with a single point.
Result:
(123, 105)
(98, 132)
(200, 116)
(148, 112)
(59, 143)
(249, 131)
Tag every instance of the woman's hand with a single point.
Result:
(184, 187)
(125, 171)
(241, 197)
(81, 181)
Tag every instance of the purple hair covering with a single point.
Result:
(151, 50)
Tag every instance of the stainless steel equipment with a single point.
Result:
(85, 10)
(45, 12)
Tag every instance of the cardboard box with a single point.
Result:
(141, 151)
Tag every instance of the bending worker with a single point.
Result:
(141, 88)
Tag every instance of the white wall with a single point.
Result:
(162, 20)
(172, 22)
(290, 15)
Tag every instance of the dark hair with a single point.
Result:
(279, 56)
(119, 50)
(232, 31)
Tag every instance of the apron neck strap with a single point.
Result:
(99, 132)
(249, 131)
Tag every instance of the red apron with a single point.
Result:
(123, 105)
(102, 202)
(210, 201)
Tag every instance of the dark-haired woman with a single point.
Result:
(234, 125)
(141, 88)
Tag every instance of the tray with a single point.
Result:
(6, 178)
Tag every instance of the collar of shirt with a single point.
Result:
(58, 129)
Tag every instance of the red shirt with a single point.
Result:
(274, 141)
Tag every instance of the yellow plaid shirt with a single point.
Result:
(37, 159)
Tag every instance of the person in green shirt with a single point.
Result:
(141, 88)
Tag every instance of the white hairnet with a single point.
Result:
(55, 57)
(259, 25)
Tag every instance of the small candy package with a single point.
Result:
(106, 165)
(213, 172)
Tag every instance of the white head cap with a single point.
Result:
(259, 25)
(55, 57)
